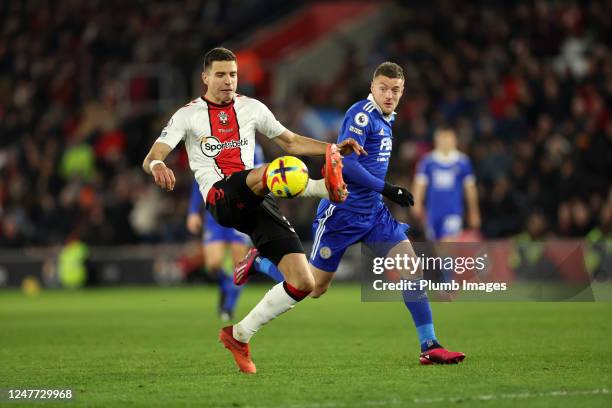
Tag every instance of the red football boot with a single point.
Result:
(440, 355)
(242, 271)
(240, 351)
(332, 172)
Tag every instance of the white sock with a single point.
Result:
(274, 303)
(315, 188)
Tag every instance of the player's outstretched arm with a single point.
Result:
(298, 145)
(360, 175)
(154, 165)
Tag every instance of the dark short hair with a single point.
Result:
(218, 54)
(444, 128)
(390, 70)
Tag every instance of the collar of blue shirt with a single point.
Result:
(388, 118)
(450, 157)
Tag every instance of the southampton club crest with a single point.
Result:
(223, 118)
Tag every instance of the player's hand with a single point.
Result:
(164, 176)
(398, 195)
(350, 145)
(194, 223)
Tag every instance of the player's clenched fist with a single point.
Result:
(163, 175)
(350, 145)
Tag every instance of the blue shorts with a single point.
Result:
(215, 232)
(447, 225)
(335, 229)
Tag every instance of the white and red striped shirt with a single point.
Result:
(220, 139)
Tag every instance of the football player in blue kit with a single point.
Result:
(363, 217)
(216, 241)
(444, 180)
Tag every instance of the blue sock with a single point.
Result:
(265, 266)
(418, 303)
(231, 296)
(229, 292)
(223, 280)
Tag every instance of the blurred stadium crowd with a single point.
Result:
(527, 86)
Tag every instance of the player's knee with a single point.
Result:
(256, 181)
(213, 267)
(294, 267)
(305, 283)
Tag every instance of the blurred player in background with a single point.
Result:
(217, 241)
(444, 179)
(364, 217)
(219, 134)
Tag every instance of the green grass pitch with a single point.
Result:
(158, 347)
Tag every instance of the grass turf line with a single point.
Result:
(158, 347)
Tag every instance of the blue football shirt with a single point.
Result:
(365, 123)
(445, 177)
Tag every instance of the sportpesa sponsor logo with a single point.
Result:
(211, 146)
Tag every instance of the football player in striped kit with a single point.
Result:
(218, 130)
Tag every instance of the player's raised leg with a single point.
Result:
(417, 303)
(331, 186)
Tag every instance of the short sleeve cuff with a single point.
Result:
(469, 179)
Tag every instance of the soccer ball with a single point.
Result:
(287, 177)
